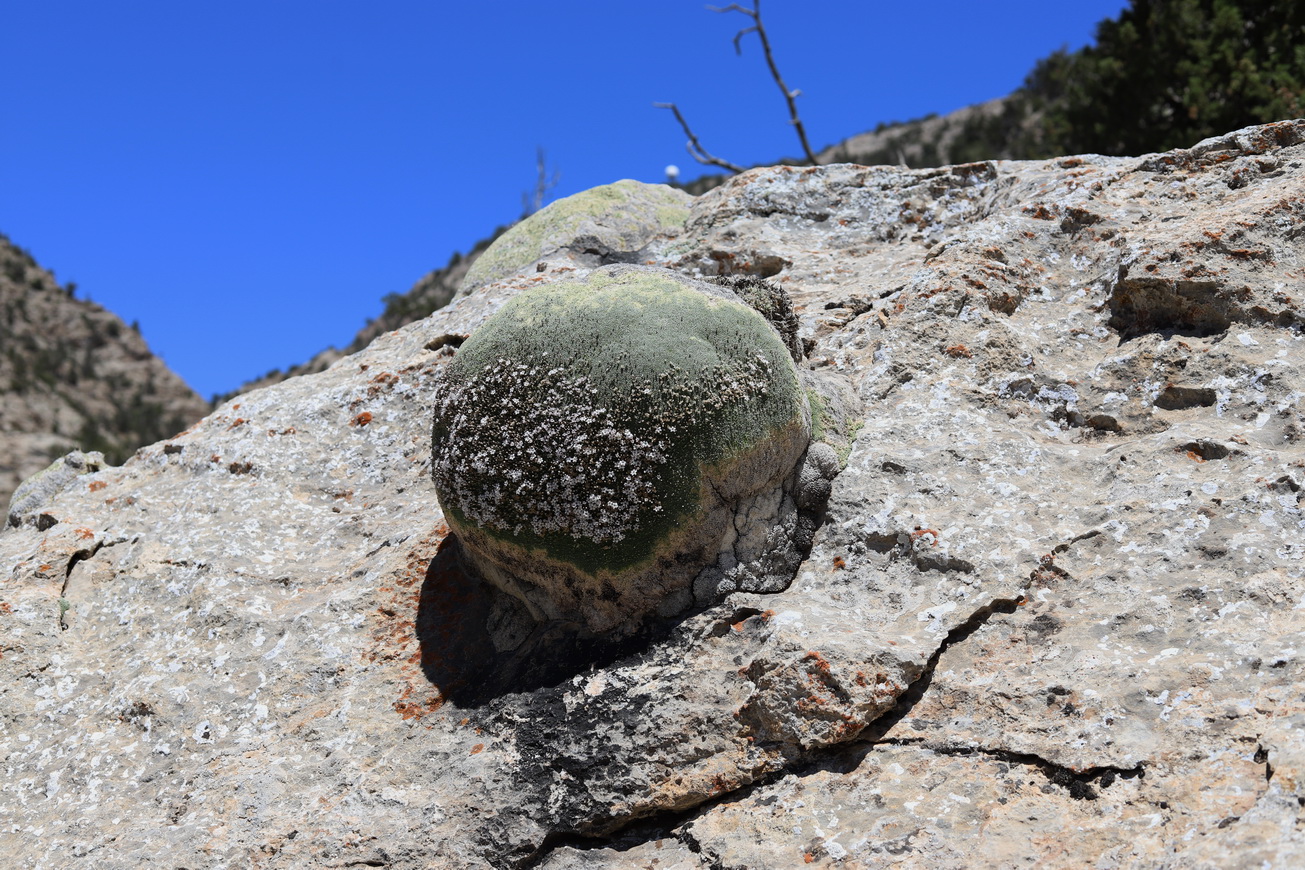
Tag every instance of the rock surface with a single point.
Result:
(1053, 615)
(612, 223)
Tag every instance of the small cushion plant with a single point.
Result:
(592, 439)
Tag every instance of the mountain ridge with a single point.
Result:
(73, 376)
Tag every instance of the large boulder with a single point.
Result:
(611, 223)
(1051, 616)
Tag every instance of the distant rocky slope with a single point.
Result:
(937, 140)
(999, 129)
(1052, 616)
(74, 375)
(433, 291)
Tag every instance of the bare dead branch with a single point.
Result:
(533, 202)
(738, 46)
(789, 94)
(694, 147)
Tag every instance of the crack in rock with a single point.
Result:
(1077, 782)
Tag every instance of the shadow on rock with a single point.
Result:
(459, 618)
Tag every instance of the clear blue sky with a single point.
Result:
(248, 179)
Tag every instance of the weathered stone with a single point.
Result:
(34, 492)
(1049, 617)
(613, 223)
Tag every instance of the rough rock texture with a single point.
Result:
(1053, 616)
(34, 492)
(599, 442)
(1002, 128)
(74, 375)
(613, 223)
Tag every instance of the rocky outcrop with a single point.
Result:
(72, 375)
(613, 223)
(1052, 614)
(935, 140)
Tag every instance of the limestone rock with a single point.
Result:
(599, 442)
(1050, 616)
(613, 223)
(40, 488)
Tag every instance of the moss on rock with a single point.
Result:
(596, 425)
(611, 220)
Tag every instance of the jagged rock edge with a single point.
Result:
(663, 824)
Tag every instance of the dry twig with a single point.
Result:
(531, 203)
(694, 147)
(790, 95)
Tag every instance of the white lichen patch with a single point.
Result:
(609, 424)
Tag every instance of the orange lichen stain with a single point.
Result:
(959, 351)
(764, 615)
(479, 747)
(97, 485)
(239, 421)
(45, 568)
(839, 564)
(5, 608)
(807, 857)
(395, 645)
(362, 419)
(1194, 456)
(921, 532)
(84, 534)
(822, 664)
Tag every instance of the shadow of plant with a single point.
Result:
(455, 614)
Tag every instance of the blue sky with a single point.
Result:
(248, 179)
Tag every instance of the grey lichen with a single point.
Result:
(592, 438)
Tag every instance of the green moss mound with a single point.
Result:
(617, 218)
(585, 418)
